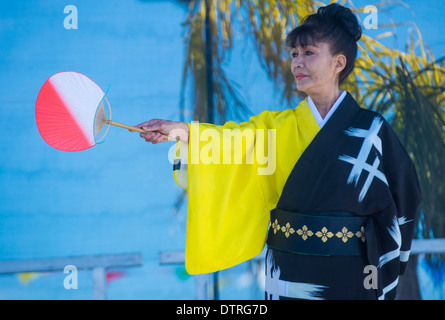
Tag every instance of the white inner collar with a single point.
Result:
(321, 122)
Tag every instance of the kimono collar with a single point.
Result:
(321, 122)
(347, 110)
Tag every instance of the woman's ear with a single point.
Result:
(340, 62)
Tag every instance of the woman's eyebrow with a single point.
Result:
(310, 45)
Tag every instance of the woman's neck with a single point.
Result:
(324, 101)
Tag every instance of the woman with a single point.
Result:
(337, 208)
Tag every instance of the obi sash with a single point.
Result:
(324, 233)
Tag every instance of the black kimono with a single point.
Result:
(343, 226)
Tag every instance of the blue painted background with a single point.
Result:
(115, 197)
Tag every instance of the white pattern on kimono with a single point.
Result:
(359, 164)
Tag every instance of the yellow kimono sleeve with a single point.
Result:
(234, 176)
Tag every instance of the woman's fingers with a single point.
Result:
(152, 125)
(154, 137)
(148, 136)
(161, 138)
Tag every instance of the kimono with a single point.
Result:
(340, 202)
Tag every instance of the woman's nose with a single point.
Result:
(297, 63)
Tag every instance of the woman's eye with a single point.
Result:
(307, 52)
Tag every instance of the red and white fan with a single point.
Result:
(70, 112)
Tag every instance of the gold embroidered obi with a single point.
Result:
(323, 233)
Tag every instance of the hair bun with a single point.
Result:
(345, 16)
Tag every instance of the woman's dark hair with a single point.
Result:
(335, 25)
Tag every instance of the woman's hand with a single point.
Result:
(164, 130)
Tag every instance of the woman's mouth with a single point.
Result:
(300, 76)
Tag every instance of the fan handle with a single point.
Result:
(118, 124)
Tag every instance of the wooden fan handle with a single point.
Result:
(118, 124)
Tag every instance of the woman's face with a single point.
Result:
(315, 69)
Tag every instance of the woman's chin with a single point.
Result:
(301, 84)
(301, 88)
